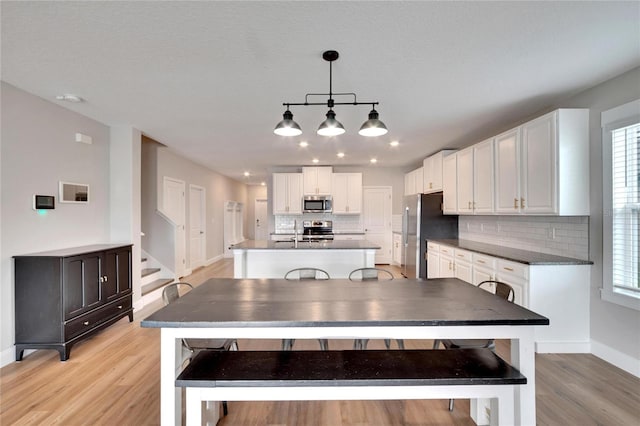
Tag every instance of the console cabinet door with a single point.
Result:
(116, 278)
(82, 280)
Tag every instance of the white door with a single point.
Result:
(173, 206)
(197, 236)
(377, 220)
(261, 225)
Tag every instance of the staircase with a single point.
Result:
(154, 279)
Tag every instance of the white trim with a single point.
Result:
(214, 260)
(617, 117)
(623, 361)
(8, 356)
(563, 347)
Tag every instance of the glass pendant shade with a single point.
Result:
(287, 127)
(331, 126)
(373, 126)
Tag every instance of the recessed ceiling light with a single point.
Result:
(315, 161)
(247, 174)
(69, 98)
(340, 155)
(394, 143)
(373, 161)
(303, 144)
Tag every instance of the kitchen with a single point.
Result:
(108, 217)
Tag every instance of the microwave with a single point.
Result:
(317, 204)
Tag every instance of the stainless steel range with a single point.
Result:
(317, 230)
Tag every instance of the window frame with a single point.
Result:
(612, 119)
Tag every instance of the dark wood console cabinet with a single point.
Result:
(63, 296)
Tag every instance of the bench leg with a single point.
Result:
(193, 407)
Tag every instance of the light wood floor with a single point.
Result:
(114, 379)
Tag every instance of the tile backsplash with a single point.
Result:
(562, 236)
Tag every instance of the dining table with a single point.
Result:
(442, 308)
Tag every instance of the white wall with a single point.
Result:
(39, 150)
(161, 161)
(615, 330)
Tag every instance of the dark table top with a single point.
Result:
(228, 302)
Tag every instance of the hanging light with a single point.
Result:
(287, 127)
(373, 126)
(331, 127)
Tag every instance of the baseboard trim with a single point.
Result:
(8, 356)
(563, 347)
(214, 260)
(623, 361)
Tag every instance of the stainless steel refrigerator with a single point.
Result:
(423, 219)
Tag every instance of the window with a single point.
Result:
(621, 199)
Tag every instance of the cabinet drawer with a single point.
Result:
(518, 269)
(446, 250)
(484, 261)
(462, 255)
(433, 247)
(86, 322)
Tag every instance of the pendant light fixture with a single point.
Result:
(331, 126)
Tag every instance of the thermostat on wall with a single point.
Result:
(42, 202)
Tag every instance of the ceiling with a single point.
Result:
(208, 79)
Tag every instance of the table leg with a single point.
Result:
(523, 358)
(170, 396)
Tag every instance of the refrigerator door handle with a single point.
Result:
(405, 227)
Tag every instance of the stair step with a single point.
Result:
(149, 271)
(146, 289)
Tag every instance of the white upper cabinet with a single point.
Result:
(414, 182)
(507, 167)
(317, 180)
(483, 188)
(432, 171)
(287, 193)
(543, 166)
(465, 180)
(449, 185)
(347, 193)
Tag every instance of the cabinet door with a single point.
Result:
(519, 286)
(465, 181)
(429, 174)
(354, 193)
(418, 176)
(446, 267)
(340, 193)
(507, 168)
(409, 184)
(81, 283)
(433, 264)
(294, 192)
(280, 193)
(482, 274)
(324, 180)
(483, 177)
(538, 191)
(463, 271)
(449, 184)
(117, 273)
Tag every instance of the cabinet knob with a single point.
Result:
(507, 269)
(119, 306)
(106, 278)
(86, 323)
(101, 279)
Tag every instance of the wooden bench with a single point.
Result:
(349, 375)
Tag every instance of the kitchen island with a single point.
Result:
(272, 259)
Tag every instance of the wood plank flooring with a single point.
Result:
(113, 378)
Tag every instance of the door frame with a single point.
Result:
(180, 266)
(203, 224)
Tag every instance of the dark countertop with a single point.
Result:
(514, 255)
(228, 302)
(287, 244)
(72, 251)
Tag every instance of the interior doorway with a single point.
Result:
(173, 206)
(376, 215)
(261, 229)
(197, 226)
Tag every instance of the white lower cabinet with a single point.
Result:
(397, 249)
(347, 237)
(463, 268)
(559, 292)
